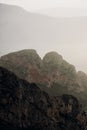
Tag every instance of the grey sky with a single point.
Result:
(33, 5)
(76, 54)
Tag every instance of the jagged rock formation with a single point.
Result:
(59, 70)
(24, 105)
(52, 69)
(82, 78)
(21, 63)
(52, 73)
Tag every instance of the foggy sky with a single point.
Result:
(33, 5)
(75, 54)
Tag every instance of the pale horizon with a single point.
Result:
(34, 5)
(74, 53)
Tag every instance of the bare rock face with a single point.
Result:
(82, 79)
(52, 73)
(59, 70)
(21, 62)
(24, 105)
(27, 65)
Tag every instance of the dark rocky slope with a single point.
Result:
(24, 105)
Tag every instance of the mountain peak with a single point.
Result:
(51, 69)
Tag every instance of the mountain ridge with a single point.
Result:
(52, 73)
(28, 65)
(42, 28)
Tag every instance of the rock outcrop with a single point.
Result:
(24, 105)
(53, 68)
(52, 73)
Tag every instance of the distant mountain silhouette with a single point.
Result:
(18, 27)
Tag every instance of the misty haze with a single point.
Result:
(43, 67)
(65, 35)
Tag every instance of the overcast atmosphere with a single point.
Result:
(73, 49)
(33, 5)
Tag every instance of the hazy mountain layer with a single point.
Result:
(52, 69)
(21, 29)
(18, 27)
(52, 73)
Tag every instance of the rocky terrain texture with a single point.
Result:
(52, 69)
(52, 74)
(24, 106)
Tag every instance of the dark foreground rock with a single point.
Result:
(25, 106)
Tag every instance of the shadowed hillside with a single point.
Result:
(24, 105)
